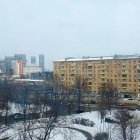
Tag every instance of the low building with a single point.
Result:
(28, 70)
(42, 75)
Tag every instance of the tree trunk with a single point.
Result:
(124, 134)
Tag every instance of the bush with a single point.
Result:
(101, 136)
(82, 121)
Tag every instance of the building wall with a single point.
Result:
(123, 73)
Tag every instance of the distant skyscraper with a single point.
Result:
(8, 60)
(22, 58)
(41, 62)
(33, 60)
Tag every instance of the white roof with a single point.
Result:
(28, 80)
(99, 58)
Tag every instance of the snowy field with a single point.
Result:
(69, 134)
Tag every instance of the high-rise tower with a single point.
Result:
(33, 60)
(8, 60)
(41, 62)
(22, 58)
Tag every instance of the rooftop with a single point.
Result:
(87, 58)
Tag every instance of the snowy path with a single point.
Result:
(11, 135)
(85, 133)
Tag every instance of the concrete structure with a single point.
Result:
(122, 70)
(31, 69)
(41, 62)
(16, 67)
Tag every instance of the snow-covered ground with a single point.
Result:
(69, 134)
(17, 108)
(103, 126)
(57, 134)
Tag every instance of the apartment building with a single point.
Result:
(122, 70)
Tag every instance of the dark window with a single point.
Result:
(124, 85)
(124, 75)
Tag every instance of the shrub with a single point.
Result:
(101, 136)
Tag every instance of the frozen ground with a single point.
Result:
(69, 134)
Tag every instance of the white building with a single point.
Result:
(31, 69)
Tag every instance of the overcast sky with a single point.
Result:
(69, 28)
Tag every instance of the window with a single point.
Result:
(123, 70)
(123, 66)
(138, 71)
(102, 66)
(103, 70)
(124, 85)
(103, 79)
(102, 62)
(89, 67)
(124, 80)
(102, 84)
(124, 75)
(90, 83)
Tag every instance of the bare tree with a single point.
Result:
(108, 97)
(49, 108)
(5, 97)
(106, 100)
(81, 90)
(127, 124)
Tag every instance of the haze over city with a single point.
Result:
(69, 28)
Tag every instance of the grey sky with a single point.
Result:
(69, 28)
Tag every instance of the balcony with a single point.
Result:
(138, 66)
(138, 76)
(138, 85)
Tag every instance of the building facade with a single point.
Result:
(122, 70)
